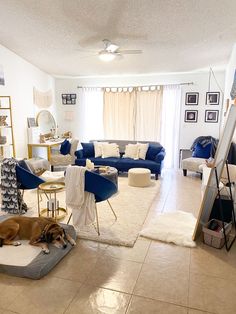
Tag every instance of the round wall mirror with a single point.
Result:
(46, 122)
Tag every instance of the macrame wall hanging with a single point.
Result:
(42, 99)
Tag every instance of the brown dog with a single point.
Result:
(40, 231)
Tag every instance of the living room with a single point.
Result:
(187, 47)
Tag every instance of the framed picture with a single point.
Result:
(191, 116)
(191, 98)
(211, 116)
(68, 99)
(212, 98)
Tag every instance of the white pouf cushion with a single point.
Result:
(139, 177)
(193, 163)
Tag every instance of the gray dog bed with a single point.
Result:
(41, 263)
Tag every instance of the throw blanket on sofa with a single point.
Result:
(81, 202)
(11, 196)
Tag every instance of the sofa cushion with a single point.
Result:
(124, 164)
(65, 147)
(88, 150)
(152, 151)
(131, 151)
(142, 152)
(110, 150)
(202, 152)
(98, 148)
(99, 161)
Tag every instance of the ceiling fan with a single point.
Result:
(112, 51)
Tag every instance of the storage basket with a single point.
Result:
(216, 238)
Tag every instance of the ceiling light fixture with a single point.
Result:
(106, 56)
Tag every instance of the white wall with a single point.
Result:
(20, 78)
(188, 131)
(229, 77)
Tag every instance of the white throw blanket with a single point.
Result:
(81, 202)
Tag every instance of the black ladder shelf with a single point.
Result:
(229, 185)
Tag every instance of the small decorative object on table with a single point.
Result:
(3, 121)
(89, 164)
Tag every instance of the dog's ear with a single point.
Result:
(51, 230)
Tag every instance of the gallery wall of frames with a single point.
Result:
(211, 115)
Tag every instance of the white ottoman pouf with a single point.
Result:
(139, 177)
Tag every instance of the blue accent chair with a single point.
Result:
(102, 188)
(26, 180)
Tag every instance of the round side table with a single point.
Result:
(53, 210)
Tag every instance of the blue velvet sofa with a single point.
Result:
(153, 161)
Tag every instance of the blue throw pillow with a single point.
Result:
(88, 150)
(202, 152)
(65, 147)
(152, 151)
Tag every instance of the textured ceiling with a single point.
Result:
(62, 37)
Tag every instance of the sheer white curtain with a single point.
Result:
(148, 115)
(119, 115)
(91, 114)
(170, 124)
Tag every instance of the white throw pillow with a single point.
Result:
(98, 148)
(110, 150)
(143, 148)
(131, 151)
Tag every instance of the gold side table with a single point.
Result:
(50, 189)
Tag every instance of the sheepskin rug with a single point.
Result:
(174, 227)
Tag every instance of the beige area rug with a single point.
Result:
(131, 206)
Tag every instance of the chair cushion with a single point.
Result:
(152, 151)
(65, 147)
(61, 160)
(202, 152)
(88, 150)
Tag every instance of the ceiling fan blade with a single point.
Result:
(131, 52)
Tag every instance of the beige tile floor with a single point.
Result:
(151, 277)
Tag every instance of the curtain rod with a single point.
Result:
(187, 83)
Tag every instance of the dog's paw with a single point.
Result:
(46, 251)
(72, 242)
(16, 243)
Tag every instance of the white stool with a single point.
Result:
(139, 177)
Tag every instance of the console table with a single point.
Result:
(48, 145)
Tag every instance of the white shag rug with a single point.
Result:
(175, 227)
(131, 206)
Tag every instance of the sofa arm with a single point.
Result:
(160, 156)
(79, 154)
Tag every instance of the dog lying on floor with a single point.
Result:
(38, 230)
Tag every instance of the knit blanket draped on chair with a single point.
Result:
(11, 195)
